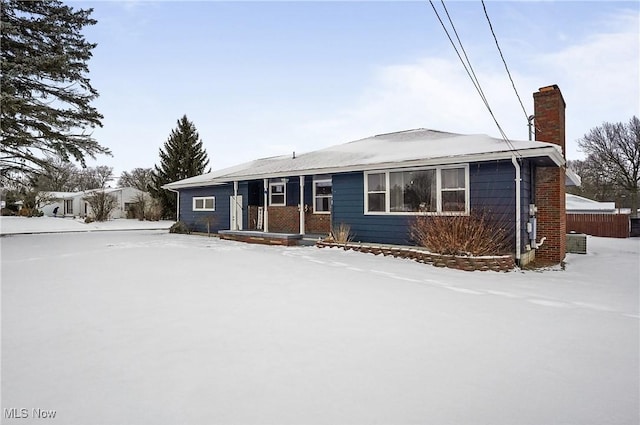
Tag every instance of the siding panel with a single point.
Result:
(196, 219)
(348, 208)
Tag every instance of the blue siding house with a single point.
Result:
(377, 185)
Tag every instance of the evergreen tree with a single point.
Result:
(183, 157)
(46, 94)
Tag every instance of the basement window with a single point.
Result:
(204, 203)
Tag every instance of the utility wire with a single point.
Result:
(526, 115)
(470, 72)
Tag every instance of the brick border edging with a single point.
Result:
(498, 263)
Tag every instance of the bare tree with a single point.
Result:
(94, 178)
(140, 178)
(101, 204)
(596, 183)
(57, 175)
(616, 148)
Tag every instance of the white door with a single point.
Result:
(235, 203)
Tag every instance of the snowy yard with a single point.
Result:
(145, 327)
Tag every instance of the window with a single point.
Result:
(322, 195)
(376, 192)
(204, 203)
(413, 191)
(453, 190)
(278, 194)
(432, 190)
(68, 206)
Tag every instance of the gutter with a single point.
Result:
(518, 218)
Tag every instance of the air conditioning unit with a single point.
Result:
(576, 243)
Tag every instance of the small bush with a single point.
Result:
(341, 233)
(180, 227)
(89, 219)
(30, 212)
(474, 234)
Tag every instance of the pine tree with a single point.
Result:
(183, 157)
(46, 94)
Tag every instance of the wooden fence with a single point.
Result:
(605, 225)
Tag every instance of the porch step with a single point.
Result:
(266, 238)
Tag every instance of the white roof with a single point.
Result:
(61, 195)
(575, 203)
(69, 195)
(420, 147)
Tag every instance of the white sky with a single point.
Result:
(268, 78)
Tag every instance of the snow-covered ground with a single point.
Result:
(146, 327)
(17, 225)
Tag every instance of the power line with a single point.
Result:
(526, 115)
(470, 72)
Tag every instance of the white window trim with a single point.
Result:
(322, 180)
(439, 191)
(204, 202)
(271, 185)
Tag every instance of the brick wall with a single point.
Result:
(551, 216)
(497, 263)
(317, 223)
(284, 219)
(549, 111)
(287, 220)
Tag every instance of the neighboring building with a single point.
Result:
(597, 218)
(74, 204)
(580, 205)
(376, 185)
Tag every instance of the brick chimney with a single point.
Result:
(549, 108)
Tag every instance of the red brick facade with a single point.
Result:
(287, 220)
(549, 111)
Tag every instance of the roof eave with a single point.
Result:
(539, 152)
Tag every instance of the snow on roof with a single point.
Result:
(404, 148)
(575, 203)
(60, 195)
(69, 195)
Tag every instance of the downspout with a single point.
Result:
(518, 218)
(302, 229)
(177, 203)
(235, 205)
(265, 211)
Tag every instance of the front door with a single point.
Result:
(235, 213)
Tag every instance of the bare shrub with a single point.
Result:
(102, 204)
(153, 210)
(146, 208)
(341, 233)
(208, 220)
(475, 234)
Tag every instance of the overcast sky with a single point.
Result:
(268, 78)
